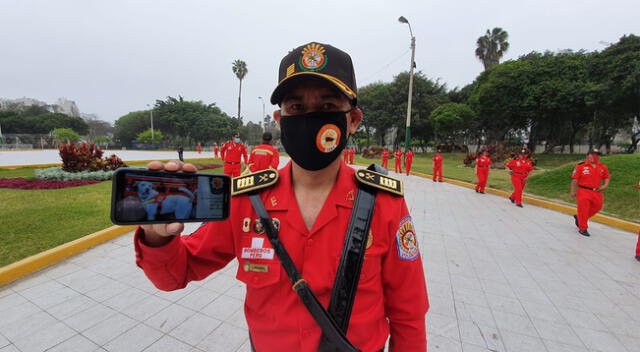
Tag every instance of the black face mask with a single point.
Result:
(316, 139)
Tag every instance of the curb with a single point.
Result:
(567, 209)
(38, 261)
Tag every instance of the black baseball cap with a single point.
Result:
(594, 151)
(267, 136)
(318, 60)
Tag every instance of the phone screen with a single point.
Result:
(142, 196)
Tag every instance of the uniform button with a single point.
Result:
(255, 279)
(310, 242)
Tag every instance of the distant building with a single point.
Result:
(63, 105)
(66, 106)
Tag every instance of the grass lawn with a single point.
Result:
(551, 179)
(37, 220)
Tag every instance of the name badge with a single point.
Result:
(257, 251)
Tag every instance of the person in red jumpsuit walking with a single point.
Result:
(588, 181)
(408, 160)
(215, 150)
(437, 166)
(345, 155)
(385, 158)
(265, 155)
(519, 169)
(483, 163)
(199, 148)
(391, 301)
(352, 154)
(232, 152)
(398, 161)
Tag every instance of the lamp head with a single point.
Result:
(402, 19)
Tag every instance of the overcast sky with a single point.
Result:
(116, 56)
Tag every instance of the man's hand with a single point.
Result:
(573, 193)
(157, 235)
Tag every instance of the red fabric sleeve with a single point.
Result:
(606, 174)
(186, 258)
(275, 160)
(244, 154)
(511, 164)
(405, 293)
(577, 172)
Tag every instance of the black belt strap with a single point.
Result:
(589, 188)
(348, 273)
(329, 327)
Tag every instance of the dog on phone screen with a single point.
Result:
(156, 203)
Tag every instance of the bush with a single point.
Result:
(86, 158)
(500, 154)
(58, 174)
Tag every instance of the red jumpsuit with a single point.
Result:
(345, 155)
(352, 153)
(231, 154)
(199, 148)
(408, 160)
(398, 161)
(520, 171)
(391, 296)
(483, 164)
(588, 198)
(385, 159)
(215, 151)
(437, 167)
(262, 157)
(638, 244)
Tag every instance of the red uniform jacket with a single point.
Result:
(409, 155)
(232, 152)
(437, 160)
(483, 161)
(385, 155)
(590, 176)
(520, 167)
(391, 296)
(215, 151)
(262, 157)
(398, 154)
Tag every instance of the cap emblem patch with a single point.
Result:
(328, 138)
(313, 58)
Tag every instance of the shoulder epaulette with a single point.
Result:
(254, 181)
(380, 181)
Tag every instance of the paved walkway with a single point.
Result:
(500, 278)
(51, 156)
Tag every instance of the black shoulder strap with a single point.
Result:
(348, 273)
(329, 327)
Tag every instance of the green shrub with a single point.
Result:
(56, 173)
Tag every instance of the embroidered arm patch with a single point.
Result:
(406, 240)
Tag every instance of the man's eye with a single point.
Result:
(328, 106)
(295, 107)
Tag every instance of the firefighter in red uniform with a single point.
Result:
(264, 156)
(437, 166)
(483, 163)
(345, 155)
(589, 179)
(408, 160)
(215, 150)
(199, 148)
(312, 221)
(232, 152)
(398, 160)
(352, 153)
(638, 244)
(385, 158)
(520, 168)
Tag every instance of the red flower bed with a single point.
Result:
(23, 183)
(207, 166)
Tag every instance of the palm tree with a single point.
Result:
(240, 69)
(492, 46)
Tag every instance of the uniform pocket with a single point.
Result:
(258, 273)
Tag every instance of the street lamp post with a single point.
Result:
(407, 137)
(151, 112)
(264, 126)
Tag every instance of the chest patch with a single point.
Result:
(257, 251)
(406, 240)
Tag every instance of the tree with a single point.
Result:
(15, 123)
(65, 135)
(240, 69)
(451, 120)
(102, 140)
(491, 47)
(149, 138)
(127, 127)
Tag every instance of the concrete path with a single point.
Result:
(500, 278)
(51, 156)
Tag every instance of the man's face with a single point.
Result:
(318, 95)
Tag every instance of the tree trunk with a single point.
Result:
(635, 138)
(239, 95)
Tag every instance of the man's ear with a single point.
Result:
(355, 117)
(276, 116)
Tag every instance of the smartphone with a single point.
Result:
(143, 196)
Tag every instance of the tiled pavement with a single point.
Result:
(500, 278)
